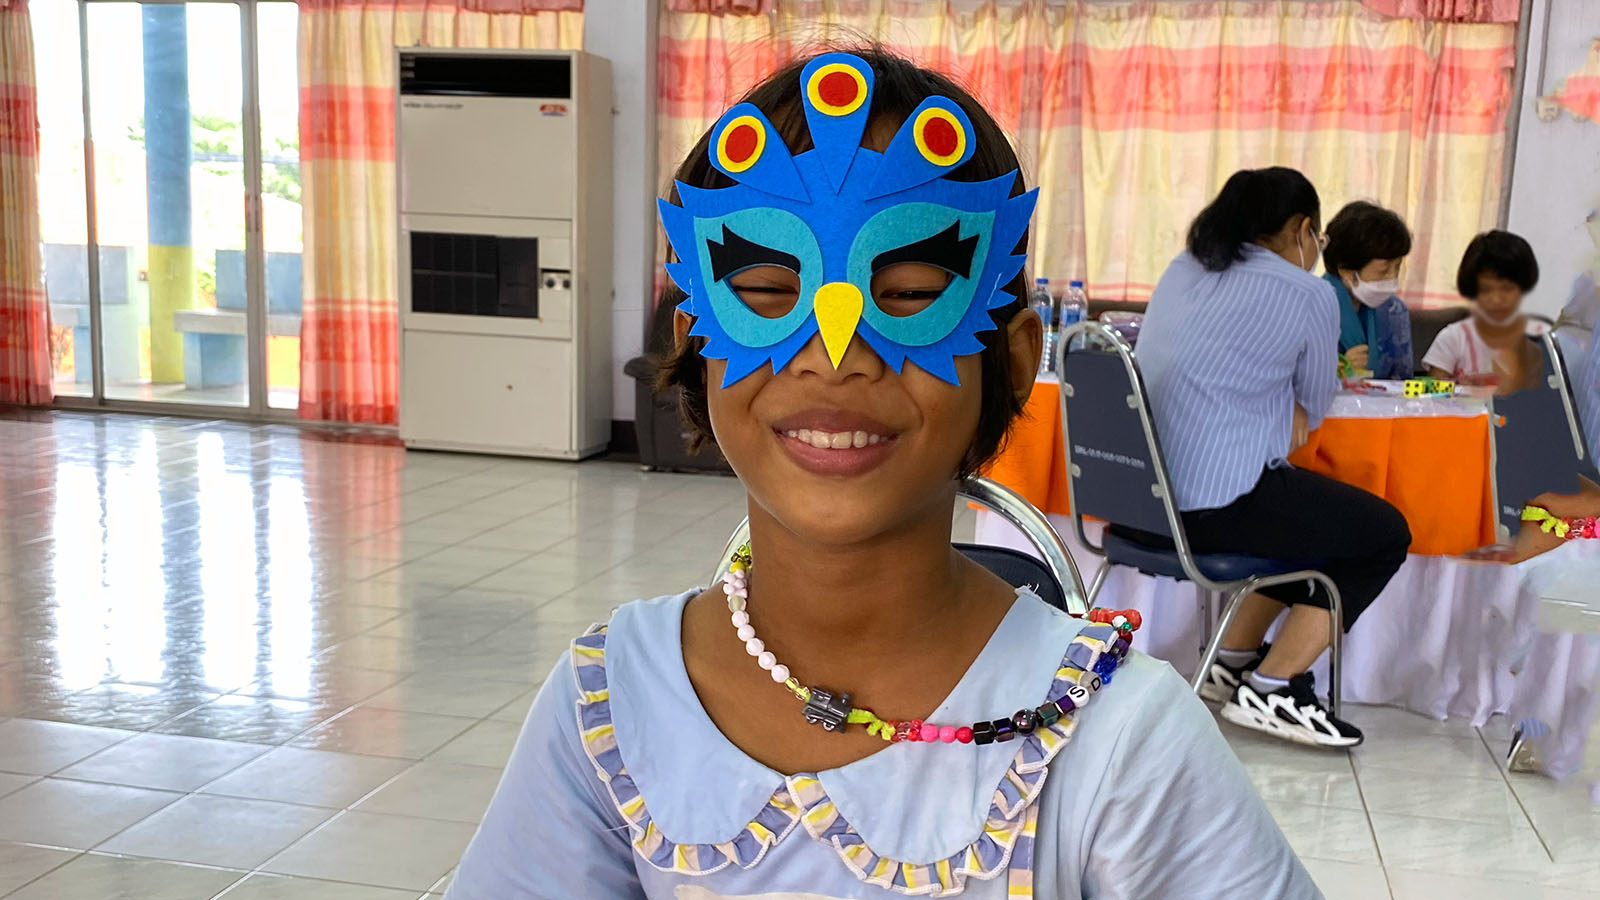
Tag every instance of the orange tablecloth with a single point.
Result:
(1434, 469)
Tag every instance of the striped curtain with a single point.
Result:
(349, 362)
(1129, 116)
(25, 371)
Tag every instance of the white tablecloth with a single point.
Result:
(1446, 638)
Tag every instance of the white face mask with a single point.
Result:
(1375, 293)
(1496, 322)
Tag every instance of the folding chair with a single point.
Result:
(1054, 577)
(1119, 475)
(1537, 442)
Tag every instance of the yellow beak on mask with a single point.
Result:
(838, 308)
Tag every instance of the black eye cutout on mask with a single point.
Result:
(735, 254)
(947, 250)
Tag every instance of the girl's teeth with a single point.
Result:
(823, 440)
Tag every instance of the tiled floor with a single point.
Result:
(253, 662)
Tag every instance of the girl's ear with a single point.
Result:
(681, 323)
(1024, 342)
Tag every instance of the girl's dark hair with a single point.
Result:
(1361, 233)
(899, 86)
(1499, 253)
(1253, 204)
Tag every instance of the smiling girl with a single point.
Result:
(858, 710)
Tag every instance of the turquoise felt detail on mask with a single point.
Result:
(781, 230)
(898, 226)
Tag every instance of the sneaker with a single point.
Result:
(1292, 712)
(1225, 679)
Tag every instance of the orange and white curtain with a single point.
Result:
(349, 360)
(1130, 115)
(25, 370)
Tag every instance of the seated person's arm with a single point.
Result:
(1316, 374)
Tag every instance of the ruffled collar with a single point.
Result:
(697, 803)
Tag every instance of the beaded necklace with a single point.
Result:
(833, 711)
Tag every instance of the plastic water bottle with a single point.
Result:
(1044, 304)
(1074, 309)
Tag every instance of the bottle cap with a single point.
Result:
(1041, 281)
(1077, 284)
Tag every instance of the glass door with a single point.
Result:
(166, 115)
(277, 32)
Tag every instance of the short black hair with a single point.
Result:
(1361, 233)
(1499, 253)
(1253, 204)
(899, 86)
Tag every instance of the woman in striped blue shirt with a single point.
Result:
(1237, 352)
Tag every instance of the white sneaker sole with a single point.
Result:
(1278, 728)
(1215, 691)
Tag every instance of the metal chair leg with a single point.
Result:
(1206, 600)
(1099, 581)
(1335, 643)
(1230, 609)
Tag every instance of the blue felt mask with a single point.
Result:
(834, 215)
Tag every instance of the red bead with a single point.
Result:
(930, 732)
(1133, 617)
(964, 734)
(915, 732)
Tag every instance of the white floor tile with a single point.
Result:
(447, 695)
(486, 744)
(263, 886)
(92, 877)
(1410, 885)
(218, 831)
(1326, 832)
(1348, 881)
(1466, 799)
(33, 747)
(75, 814)
(312, 777)
(388, 851)
(385, 732)
(165, 762)
(1511, 852)
(11, 782)
(1436, 755)
(22, 863)
(437, 790)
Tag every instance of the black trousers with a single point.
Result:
(1294, 514)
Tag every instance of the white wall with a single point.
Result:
(1555, 182)
(624, 32)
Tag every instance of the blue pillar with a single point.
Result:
(169, 154)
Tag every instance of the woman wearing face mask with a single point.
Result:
(1237, 352)
(1491, 347)
(1366, 245)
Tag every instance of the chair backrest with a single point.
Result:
(1537, 441)
(1115, 468)
(1053, 576)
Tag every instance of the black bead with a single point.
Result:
(1025, 720)
(1004, 730)
(983, 733)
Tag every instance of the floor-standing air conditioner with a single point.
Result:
(504, 176)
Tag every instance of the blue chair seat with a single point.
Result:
(1153, 560)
